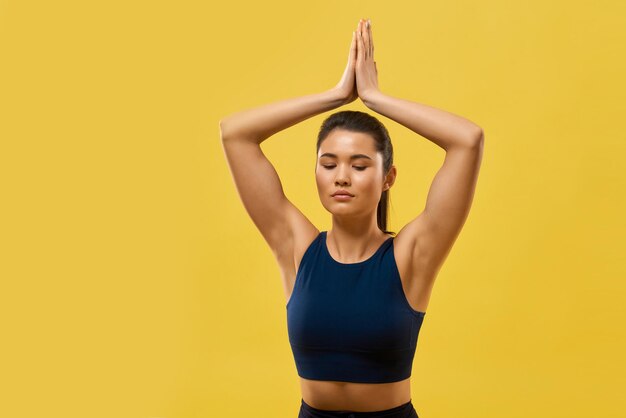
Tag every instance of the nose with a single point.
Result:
(341, 178)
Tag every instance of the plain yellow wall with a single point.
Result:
(134, 284)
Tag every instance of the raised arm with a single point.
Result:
(258, 124)
(257, 182)
(434, 231)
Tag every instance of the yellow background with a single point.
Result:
(134, 284)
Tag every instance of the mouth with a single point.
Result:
(347, 194)
(340, 196)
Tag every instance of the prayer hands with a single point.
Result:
(360, 78)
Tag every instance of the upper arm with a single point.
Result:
(447, 205)
(261, 192)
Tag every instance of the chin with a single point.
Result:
(338, 207)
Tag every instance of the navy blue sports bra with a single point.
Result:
(351, 322)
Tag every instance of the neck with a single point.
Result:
(352, 241)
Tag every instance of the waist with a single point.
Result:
(357, 397)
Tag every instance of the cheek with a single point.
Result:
(321, 181)
(319, 177)
(367, 181)
(323, 175)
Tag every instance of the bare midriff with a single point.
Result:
(358, 397)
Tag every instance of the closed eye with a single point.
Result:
(328, 167)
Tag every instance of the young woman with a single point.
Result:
(356, 294)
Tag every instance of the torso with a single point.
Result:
(362, 397)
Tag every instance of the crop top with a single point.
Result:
(351, 322)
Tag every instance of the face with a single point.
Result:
(349, 161)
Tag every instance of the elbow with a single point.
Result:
(477, 137)
(230, 129)
(471, 139)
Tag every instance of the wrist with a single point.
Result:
(372, 98)
(337, 95)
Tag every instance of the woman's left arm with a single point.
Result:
(443, 128)
(449, 199)
(434, 231)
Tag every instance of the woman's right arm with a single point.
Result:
(258, 124)
(255, 178)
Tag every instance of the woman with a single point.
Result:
(359, 294)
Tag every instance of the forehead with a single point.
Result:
(346, 143)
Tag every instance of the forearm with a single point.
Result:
(262, 122)
(443, 128)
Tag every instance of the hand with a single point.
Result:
(366, 72)
(347, 85)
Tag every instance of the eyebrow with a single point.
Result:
(352, 157)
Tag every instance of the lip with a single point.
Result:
(342, 197)
(342, 193)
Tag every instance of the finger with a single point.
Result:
(366, 38)
(359, 42)
(352, 53)
(368, 34)
(371, 38)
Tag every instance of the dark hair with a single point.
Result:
(356, 121)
